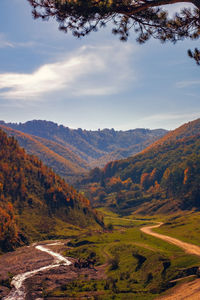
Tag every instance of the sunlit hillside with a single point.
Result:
(164, 177)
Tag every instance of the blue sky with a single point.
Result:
(94, 82)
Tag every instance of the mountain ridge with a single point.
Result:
(61, 159)
(187, 129)
(161, 178)
(87, 148)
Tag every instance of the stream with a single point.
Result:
(18, 292)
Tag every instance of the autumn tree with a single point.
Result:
(8, 229)
(147, 18)
(144, 181)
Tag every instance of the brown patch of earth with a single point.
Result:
(185, 291)
(58, 277)
(29, 258)
(20, 261)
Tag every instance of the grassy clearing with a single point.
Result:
(137, 220)
(184, 226)
(47, 228)
(138, 266)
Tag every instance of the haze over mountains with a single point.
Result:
(71, 152)
(164, 177)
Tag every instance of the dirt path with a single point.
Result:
(186, 291)
(189, 248)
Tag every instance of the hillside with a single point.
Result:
(94, 148)
(164, 177)
(186, 130)
(63, 161)
(34, 201)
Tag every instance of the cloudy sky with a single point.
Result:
(94, 82)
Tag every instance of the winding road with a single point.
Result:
(189, 248)
(186, 291)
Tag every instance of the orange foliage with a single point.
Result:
(153, 175)
(8, 229)
(166, 174)
(114, 180)
(27, 183)
(144, 180)
(156, 185)
(185, 176)
(115, 183)
(1, 187)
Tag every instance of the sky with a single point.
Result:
(94, 82)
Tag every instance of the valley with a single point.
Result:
(122, 255)
(99, 150)
(129, 230)
(72, 152)
(161, 179)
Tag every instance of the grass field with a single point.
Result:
(184, 226)
(138, 266)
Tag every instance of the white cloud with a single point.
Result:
(183, 84)
(169, 116)
(89, 71)
(4, 43)
(97, 91)
(167, 120)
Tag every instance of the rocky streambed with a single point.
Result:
(27, 272)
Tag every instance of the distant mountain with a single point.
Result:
(162, 178)
(34, 201)
(62, 160)
(83, 148)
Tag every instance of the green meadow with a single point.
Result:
(137, 266)
(184, 226)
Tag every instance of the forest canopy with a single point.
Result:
(145, 18)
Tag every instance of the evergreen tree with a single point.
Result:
(147, 18)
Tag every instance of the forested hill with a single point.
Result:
(34, 201)
(186, 130)
(165, 177)
(95, 148)
(62, 160)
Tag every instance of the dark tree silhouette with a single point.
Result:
(195, 55)
(147, 18)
